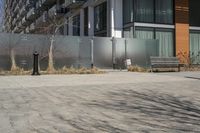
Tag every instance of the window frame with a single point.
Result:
(154, 14)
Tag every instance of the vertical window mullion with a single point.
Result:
(154, 11)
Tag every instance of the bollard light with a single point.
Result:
(35, 64)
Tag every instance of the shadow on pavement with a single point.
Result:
(154, 111)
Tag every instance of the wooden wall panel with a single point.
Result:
(182, 11)
(182, 29)
(182, 37)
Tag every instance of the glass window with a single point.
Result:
(194, 12)
(128, 32)
(100, 17)
(195, 47)
(61, 30)
(166, 42)
(66, 26)
(149, 11)
(164, 11)
(101, 34)
(165, 37)
(128, 11)
(76, 25)
(144, 10)
(86, 21)
(144, 33)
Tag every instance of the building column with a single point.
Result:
(115, 18)
(91, 21)
(82, 22)
(70, 26)
(182, 30)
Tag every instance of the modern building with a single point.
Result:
(30, 16)
(175, 23)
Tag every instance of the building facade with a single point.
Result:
(175, 23)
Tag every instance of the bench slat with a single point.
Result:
(164, 62)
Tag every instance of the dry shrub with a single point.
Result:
(184, 58)
(64, 70)
(16, 71)
(72, 70)
(191, 68)
(137, 69)
(19, 71)
(1, 71)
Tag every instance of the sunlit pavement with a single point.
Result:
(115, 102)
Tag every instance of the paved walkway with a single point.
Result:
(117, 102)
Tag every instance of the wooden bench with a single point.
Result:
(164, 62)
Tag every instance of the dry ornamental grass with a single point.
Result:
(64, 70)
(137, 69)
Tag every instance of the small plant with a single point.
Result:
(16, 71)
(137, 68)
(187, 61)
(183, 58)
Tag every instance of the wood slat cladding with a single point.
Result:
(182, 11)
(182, 29)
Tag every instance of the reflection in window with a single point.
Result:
(128, 11)
(149, 11)
(164, 11)
(76, 25)
(194, 12)
(100, 17)
(144, 10)
(86, 21)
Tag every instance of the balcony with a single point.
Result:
(14, 21)
(20, 26)
(13, 14)
(62, 10)
(20, 3)
(25, 22)
(14, 4)
(18, 18)
(17, 30)
(32, 27)
(38, 5)
(74, 3)
(42, 7)
(52, 12)
(57, 11)
(48, 2)
(22, 12)
(14, 30)
(28, 3)
(31, 15)
(42, 20)
(27, 30)
(16, 9)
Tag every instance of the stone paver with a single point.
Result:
(117, 102)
